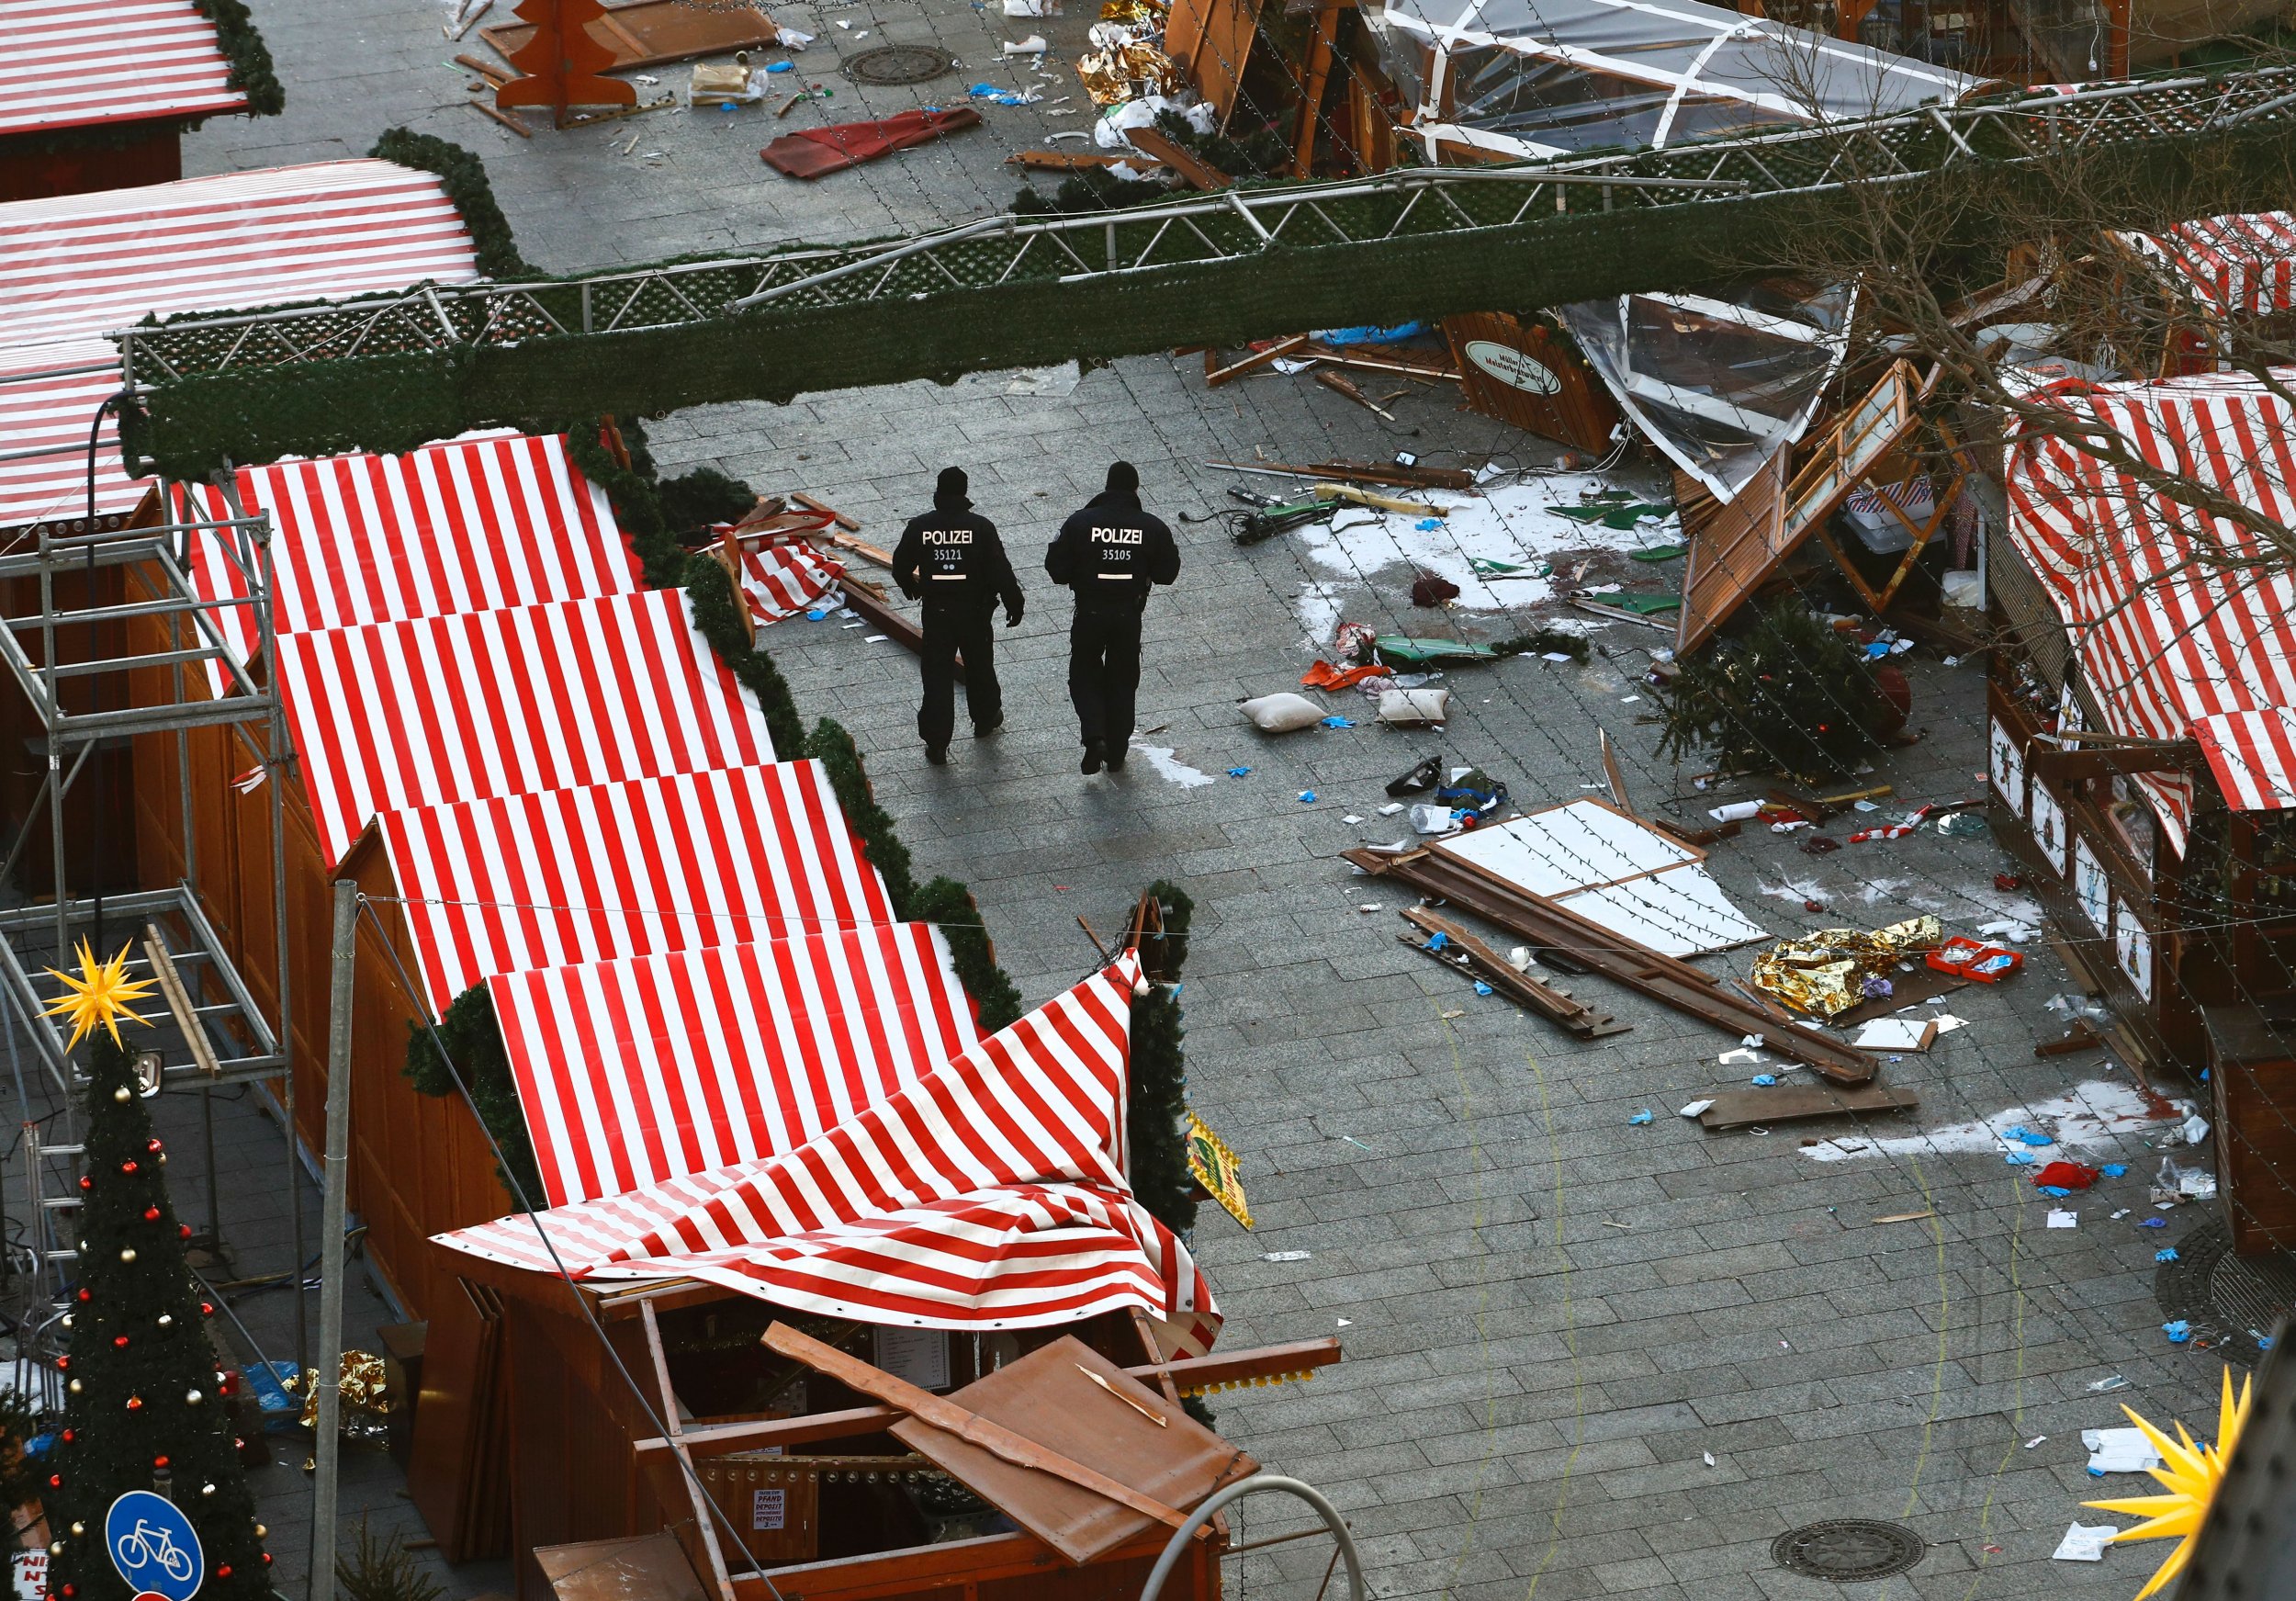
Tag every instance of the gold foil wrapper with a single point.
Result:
(1130, 12)
(364, 1390)
(1824, 973)
(1127, 72)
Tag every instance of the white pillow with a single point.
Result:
(1283, 713)
(1411, 708)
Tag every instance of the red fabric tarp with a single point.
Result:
(812, 151)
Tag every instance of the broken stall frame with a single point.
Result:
(1884, 443)
(2195, 953)
(1309, 71)
(1522, 371)
(806, 1485)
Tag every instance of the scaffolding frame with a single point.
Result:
(210, 1031)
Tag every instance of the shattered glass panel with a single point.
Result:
(1719, 382)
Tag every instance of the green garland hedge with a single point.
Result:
(549, 383)
(650, 510)
(252, 73)
(1156, 1099)
(465, 178)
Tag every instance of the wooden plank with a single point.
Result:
(1216, 375)
(1292, 1359)
(1739, 1108)
(1395, 474)
(850, 525)
(1548, 1001)
(649, 33)
(1069, 161)
(2078, 766)
(1199, 174)
(1324, 31)
(704, 1524)
(995, 1438)
(1547, 924)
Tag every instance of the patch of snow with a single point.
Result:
(1160, 757)
(1515, 524)
(1796, 890)
(1319, 607)
(2094, 1114)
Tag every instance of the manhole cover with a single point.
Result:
(1848, 1548)
(2228, 1300)
(899, 64)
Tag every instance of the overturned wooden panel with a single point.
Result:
(1734, 548)
(1210, 40)
(1740, 1109)
(648, 33)
(1081, 1406)
(1520, 373)
(651, 1567)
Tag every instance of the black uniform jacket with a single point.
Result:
(1111, 552)
(951, 557)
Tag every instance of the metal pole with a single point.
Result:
(322, 1556)
(1259, 1484)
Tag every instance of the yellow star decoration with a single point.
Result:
(2190, 1474)
(99, 995)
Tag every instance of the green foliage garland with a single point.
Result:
(477, 1059)
(464, 175)
(144, 1392)
(1789, 695)
(1156, 1099)
(250, 58)
(547, 384)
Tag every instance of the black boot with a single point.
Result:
(982, 730)
(1092, 758)
(1115, 759)
(937, 754)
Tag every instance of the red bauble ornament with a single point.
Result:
(86, 1182)
(207, 1309)
(87, 1294)
(119, 1342)
(159, 1462)
(67, 1436)
(55, 1481)
(150, 1214)
(224, 1571)
(135, 1402)
(184, 1230)
(71, 1589)
(153, 1145)
(127, 1166)
(63, 1363)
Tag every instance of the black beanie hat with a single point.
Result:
(1123, 478)
(952, 484)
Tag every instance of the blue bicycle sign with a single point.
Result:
(153, 1546)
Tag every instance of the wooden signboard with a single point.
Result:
(1525, 374)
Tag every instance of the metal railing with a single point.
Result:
(1234, 224)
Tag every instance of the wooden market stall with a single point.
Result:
(99, 93)
(2143, 751)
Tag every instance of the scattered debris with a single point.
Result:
(2084, 1543)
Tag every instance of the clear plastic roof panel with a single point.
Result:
(1720, 385)
(1562, 77)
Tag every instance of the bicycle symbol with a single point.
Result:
(142, 1546)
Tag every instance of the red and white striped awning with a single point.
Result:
(988, 1194)
(470, 525)
(511, 702)
(735, 856)
(782, 581)
(2236, 266)
(77, 267)
(634, 1072)
(71, 63)
(2185, 625)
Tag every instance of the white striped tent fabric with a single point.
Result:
(485, 704)
(70, 63)
(2182, 625)
(656, 1067)
(77, 267)
(729, 856)
(2241, 264)
(782, 581)
(988, 1194)
(471, 525)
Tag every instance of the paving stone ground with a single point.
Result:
(1553, 1317)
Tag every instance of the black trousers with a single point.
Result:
(1104, 674)
(951, 630)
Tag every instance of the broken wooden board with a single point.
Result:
(648, 33)
(1740, 1109)
(1501, 975)
(1546, 925)
(1199, 174)
(1904, 989)
(1072, 161)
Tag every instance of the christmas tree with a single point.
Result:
(146, 1408)
(1791, 696)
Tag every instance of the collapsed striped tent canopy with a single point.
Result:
(2184, 623)
(988, 1193)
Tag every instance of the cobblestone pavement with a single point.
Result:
(1585, 1358)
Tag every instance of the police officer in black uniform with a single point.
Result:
(952, 557)
(1109, 553)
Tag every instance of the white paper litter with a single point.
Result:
(2119, 1451)
(1893, 1034)
(2196, 1129)
(1738, 1056)
(1695, 1107)
(792, 38)
(2064, 1220)
(2084, 1543)
(1031, 46)
(1287, 1256)
(1391, 807)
